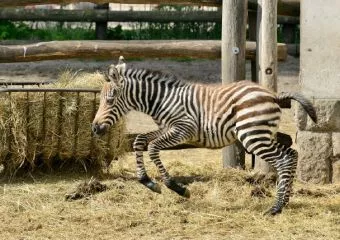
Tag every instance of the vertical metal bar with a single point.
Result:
(76, 126)
(108, 145)
(43, 127)
(27, 118)
(94, 109)
(60, 120)
(10, 124)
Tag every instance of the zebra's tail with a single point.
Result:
(306, 104)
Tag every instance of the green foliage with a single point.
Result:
(136, 31)
(9, 30)
(21, 31)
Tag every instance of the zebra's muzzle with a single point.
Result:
(99, 129)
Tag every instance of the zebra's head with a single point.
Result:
(110, 111)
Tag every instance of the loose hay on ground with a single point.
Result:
(220, 207)
(53, 129)
(86, 189)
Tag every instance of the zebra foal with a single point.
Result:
(204, 115)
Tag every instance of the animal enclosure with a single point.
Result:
(225, 203)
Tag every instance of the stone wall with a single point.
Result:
(319, 144)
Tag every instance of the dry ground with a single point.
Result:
(221, 205)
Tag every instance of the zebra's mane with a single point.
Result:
(144, 74)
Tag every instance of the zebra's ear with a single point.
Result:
(112, 75)
(121, 66)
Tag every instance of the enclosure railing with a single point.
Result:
(98, 15)
(285, 7)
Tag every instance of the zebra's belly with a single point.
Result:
(212, 137)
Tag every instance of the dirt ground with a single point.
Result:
(223, 203)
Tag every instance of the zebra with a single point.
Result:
(210, 116)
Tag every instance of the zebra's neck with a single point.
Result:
(147, 91)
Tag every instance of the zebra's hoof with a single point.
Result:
(273, 211)
(186, 193)
(146, 181)
(155, 187)
(178, 188)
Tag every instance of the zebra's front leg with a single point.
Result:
(139, 145)
(171, 138)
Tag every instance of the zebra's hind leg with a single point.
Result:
(284, 160)
(294, 156)
(171, 138)
(139, 145)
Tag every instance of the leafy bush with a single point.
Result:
(137, 31)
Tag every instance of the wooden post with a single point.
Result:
(288, 32)
(252, 23)
(101, 27)
(266, 55)
(234, 19)
(252, 30)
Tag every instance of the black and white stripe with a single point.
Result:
(205, 115)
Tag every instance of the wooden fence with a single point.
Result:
(233, 47)
(285, 7)
(111, 49)
(99, 15)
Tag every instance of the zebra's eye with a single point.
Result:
(109, 100)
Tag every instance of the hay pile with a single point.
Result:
(52, 130)
(86, 190)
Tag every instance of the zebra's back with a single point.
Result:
(234, 111)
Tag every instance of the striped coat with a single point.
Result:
(211, 116)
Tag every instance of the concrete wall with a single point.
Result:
(319, 144)
(320, 48)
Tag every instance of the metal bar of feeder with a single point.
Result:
(27, 116)
(76, 126)
(44, 118)
(60, 120)
(24, 83)
(61, 90)
(94, 109)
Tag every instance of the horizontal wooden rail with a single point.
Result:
(284, 7)
(99, 15)
(111, 49)
(12, 3)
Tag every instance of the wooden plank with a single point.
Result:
(285, 7)
(96, 15)
(111, 49)
(101, 25)
(267, 56)
(234, 22)
(13, 3)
